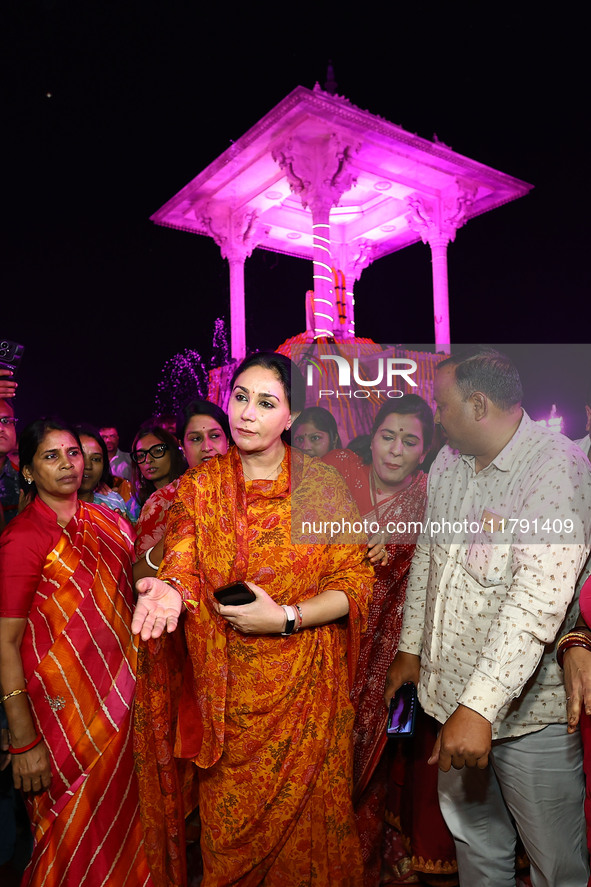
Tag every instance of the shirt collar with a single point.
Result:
(504, 460)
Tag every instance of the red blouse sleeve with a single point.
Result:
(24, 546)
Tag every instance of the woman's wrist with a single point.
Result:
(13, 693)
(149, 560)
(577, 637)
(293, 619)
(176, 585)
(21, 749)
(290, 620)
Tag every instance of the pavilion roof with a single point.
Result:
(390, 167)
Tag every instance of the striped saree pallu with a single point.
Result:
(79, 659)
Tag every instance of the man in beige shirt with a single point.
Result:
(507, 532)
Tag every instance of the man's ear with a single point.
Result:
(479, 403)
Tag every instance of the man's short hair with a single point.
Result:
(480, 368)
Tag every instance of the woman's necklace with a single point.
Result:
(246, 474)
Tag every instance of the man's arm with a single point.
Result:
(534, 607)
(413, 622)
(406, 664)
(549, 544)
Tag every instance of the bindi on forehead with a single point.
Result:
(203, 426)
(56, 447)
(395, 429)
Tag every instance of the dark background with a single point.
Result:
(108, 109)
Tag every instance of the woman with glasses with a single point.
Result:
(204, 433)
(67, 671)
(156, 461)
(258, 715)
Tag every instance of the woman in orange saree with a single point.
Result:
(264, 720)
(67, 672)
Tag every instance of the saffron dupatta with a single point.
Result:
(266, 719)
(79, 662)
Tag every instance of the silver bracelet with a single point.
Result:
(148, 559)
(290, 618)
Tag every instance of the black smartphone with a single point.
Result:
(10, 355)
(403, 711)
(234, 595)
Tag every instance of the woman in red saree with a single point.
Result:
(391, 493)
(67, 672)
(264, 710)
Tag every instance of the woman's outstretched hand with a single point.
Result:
(158, 608)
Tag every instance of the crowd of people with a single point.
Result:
(194, 685)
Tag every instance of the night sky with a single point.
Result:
(108, 109)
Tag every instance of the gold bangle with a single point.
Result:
(14, 693)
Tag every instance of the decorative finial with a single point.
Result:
(330, 85)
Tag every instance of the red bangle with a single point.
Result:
(20, 751)
(300, 616)
(566, 643)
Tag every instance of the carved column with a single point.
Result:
(318, 170)
(437, 219)
(351, 259)
(237, 236)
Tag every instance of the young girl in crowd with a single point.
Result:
(315, 432)
(97, 479)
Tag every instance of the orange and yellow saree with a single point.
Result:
(263, 722)
(79, 662)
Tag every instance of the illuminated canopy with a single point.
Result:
(321, 179)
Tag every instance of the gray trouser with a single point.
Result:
(535, 780)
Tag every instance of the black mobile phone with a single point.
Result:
(403, 711)
(234, 595)
(10, 355)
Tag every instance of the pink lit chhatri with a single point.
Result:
(321, 179)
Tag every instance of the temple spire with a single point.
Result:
(330, 84)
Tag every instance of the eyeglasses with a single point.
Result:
(156, 452)
(8, 420)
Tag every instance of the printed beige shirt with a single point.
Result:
(490, 589)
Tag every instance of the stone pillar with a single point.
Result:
(351, 259)
(236, 259)
(318, 170)
(438, 243)
(324, 307)
(437, 219)
(236, 235)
